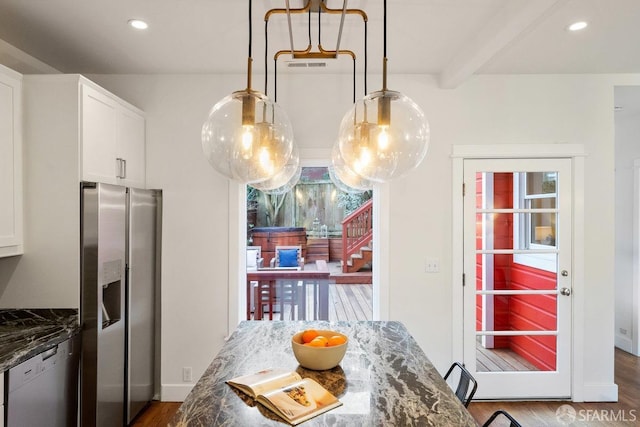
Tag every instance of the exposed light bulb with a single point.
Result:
(383, 138)
(283, 181)
(247, 141)
(343, 177)
(265, 161)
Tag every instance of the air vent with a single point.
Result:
(300, 64)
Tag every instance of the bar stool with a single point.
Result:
(465, 380)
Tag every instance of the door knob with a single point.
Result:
(565, 291)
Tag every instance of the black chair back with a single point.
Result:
(464, 383)
(504, 413)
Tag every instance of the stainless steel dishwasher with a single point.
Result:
(43, 391)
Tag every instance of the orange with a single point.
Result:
(318, 342)
(336, 340)
(309, 335)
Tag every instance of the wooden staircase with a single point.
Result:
(359, 259)
(357, 239)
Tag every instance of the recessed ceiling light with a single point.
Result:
(577, 26)
(138, 24)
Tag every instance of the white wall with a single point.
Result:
(627, 149)
(485, 110)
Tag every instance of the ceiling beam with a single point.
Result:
(22, 62)
(514, 20)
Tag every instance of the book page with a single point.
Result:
(300, 401)
(264, 381)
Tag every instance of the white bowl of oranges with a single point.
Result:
(319, 349)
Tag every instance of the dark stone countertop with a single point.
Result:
(385, 379)
(27, 332)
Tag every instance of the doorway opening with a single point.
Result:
(314, 223)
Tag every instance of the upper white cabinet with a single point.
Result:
(113, 140)
(109, 133)
(98, 123)
(130, 143)
(11, 241)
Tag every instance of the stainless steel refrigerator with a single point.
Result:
(120, 241)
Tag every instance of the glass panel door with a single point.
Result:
(517, 258)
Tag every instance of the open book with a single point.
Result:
(286, 394)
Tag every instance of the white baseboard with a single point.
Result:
(600, 393)
(175, 392)
(624, 343)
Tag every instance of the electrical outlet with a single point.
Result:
(187, 374)
(432, 265)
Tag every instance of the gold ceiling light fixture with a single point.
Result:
(385, 134)
(289, 175)
(313, 6)
(247, 137)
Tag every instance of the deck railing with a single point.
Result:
(357, 231)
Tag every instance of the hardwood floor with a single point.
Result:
(156, 414)
(624, 413)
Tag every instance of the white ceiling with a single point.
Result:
(452, 39)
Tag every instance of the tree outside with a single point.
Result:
(315, 200)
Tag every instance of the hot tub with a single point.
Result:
(270, 237)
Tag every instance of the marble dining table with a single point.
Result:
(384, 379)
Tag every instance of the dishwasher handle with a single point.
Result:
(49, 353)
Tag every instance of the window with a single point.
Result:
(535, 229)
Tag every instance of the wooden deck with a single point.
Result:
(350, 302)
(350, 297)
(500, 360)
(346, 302)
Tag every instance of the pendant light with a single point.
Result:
(385, 134)
(247, 137)
(284, 180)
(343, 177)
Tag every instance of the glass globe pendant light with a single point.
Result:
(385, 134)
(284, 180)
(247, 137)
(343, 177)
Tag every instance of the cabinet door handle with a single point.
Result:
(124, 169)
(118, 167)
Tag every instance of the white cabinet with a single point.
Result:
(113, 140)
(107, 132)
(130, 143)
(11, 241)
(98, 137)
